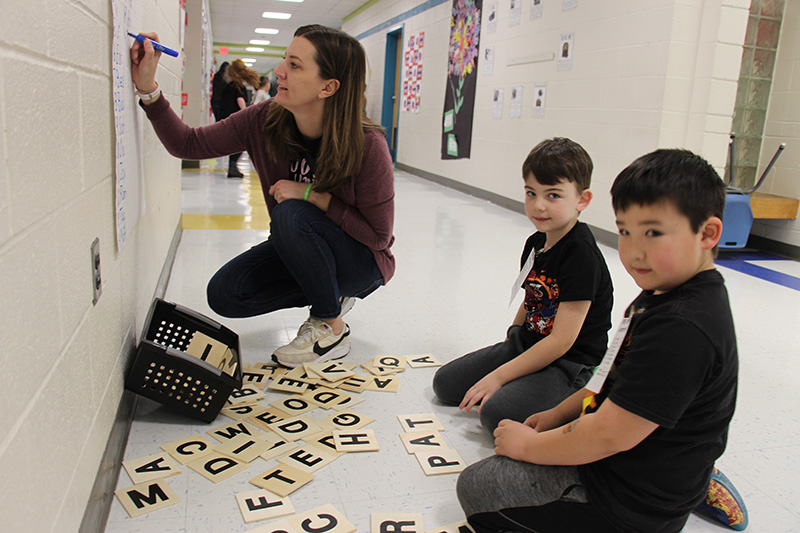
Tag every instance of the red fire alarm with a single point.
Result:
(184, 99)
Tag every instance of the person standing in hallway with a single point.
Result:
(217, 84)
(233, 99)
(262, 94)
(328, 183)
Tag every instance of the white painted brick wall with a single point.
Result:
(61, 366)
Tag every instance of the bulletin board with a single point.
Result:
(128, 121)
(412, 72)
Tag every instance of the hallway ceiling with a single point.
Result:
(233, 24)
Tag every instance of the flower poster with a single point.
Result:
(412, 72)
(462, 73)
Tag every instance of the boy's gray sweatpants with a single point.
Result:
(498, 483)
(518, 399)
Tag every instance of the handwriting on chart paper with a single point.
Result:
(128, 155)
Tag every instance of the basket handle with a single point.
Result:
(202, 318)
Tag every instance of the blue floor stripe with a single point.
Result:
(738, 261)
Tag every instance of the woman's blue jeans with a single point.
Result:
(308, 260)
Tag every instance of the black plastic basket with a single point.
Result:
(164, 372)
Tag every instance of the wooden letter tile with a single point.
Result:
(356, 440)
(421, 361)
(216, 467)
(188, 449)
(147, 497)
(420, 422)
(261, 504)
(423, 441)
(397, 522)
(325, 518)
(282, 480)
(441, 462)
(152, 467)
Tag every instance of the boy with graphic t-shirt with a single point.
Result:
(647, 437)
(561, 328)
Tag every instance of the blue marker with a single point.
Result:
(158, 46)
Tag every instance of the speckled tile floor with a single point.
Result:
(456, 257)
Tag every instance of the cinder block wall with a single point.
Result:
(62, 359)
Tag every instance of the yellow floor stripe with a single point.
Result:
(191, 221)
(257, 219)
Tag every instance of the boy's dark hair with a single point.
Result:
(557, 159)
(679, 176)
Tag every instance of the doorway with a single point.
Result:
(390, 112)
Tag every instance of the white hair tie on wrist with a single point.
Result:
(152, 95)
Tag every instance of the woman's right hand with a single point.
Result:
(144, 63)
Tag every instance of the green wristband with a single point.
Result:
(307, 193)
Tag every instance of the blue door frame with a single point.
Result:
(391, 96)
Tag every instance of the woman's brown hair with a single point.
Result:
(338, 56)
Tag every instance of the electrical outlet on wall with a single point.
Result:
(97, 282)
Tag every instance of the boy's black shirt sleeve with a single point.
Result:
(677, 368)
(574, 270)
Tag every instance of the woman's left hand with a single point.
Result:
(287, 190)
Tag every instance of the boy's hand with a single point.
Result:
(481, 392)
(544, 420)
(511, 439)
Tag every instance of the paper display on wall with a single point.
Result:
(488, 60)
(565, 51)
(491, 18)
(536, 9)
(514, 14)
(516, 101)
(539, 99)
(412, 72)
(128, 120)
(497, 103)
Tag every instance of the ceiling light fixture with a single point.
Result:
(259, 41)
(267, 31)
(254, 49)
(277, 16)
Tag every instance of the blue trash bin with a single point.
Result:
(736, 221)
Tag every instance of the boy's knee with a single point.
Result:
(443, 392)
(466, 483)
(491, 415)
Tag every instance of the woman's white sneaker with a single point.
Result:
(315, 343)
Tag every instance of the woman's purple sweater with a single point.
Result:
(363, 206)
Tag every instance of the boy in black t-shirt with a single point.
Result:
(648, 434)
(561, 328)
